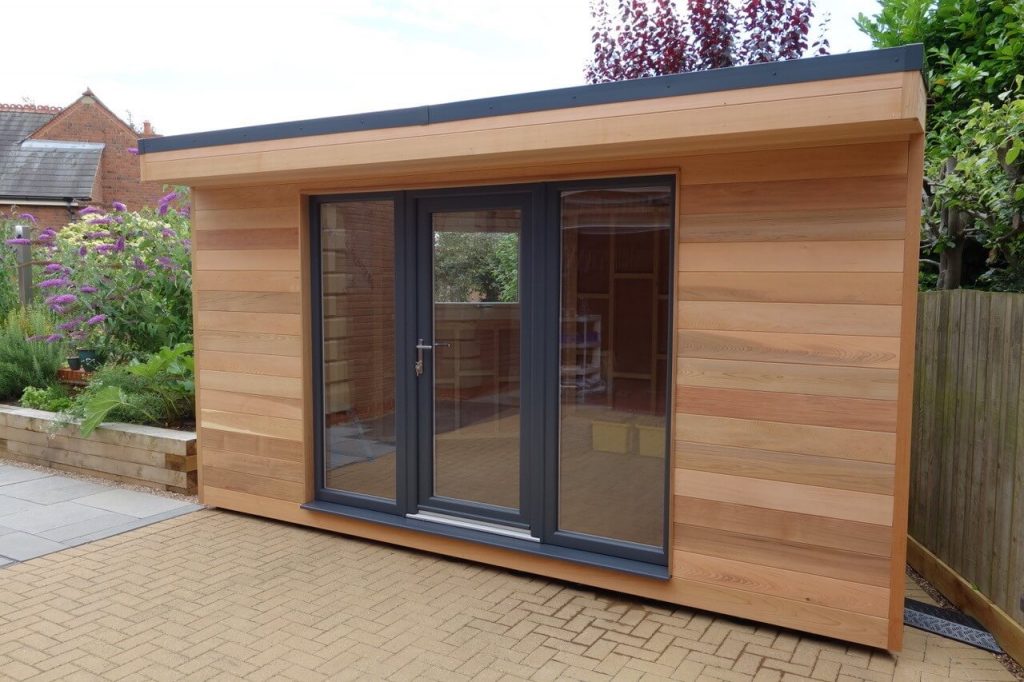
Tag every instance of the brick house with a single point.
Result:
(54, 161)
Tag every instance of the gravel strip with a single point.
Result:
(102, 481)
(1015, 668)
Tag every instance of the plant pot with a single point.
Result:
(75, 363)
(88, 359)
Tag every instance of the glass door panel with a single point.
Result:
(614, 341)
(475, 393)
(357, 282)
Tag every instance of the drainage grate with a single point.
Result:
(948, 623)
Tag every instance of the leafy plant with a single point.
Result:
(30, 351)
(53, 398)
(974, 196)
(157, 391)
(641, 38)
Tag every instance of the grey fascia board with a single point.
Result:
(848, 65)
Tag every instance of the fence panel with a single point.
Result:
(967, 471)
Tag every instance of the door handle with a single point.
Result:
(420, 347)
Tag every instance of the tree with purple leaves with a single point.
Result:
(641, 38)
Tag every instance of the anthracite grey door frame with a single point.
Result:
(426, 205)
(540, 330)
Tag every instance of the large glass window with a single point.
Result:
(613, 422)
(358, 286)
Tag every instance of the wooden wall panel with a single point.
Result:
(249, 341)
(792, 298)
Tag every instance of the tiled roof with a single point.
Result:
(43, 169)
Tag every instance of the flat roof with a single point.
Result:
(848, 65)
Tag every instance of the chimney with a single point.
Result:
(147, 129)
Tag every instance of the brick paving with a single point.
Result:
(222, 596)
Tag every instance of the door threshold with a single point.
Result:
(470, 524)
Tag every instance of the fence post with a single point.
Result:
(23, 256)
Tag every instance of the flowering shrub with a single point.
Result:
(119, 281)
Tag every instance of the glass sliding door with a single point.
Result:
(357, 284)
(614, 345)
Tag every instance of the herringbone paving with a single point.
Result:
(222, 596)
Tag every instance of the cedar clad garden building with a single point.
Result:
(653, 336)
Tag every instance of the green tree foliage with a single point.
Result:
(973, 167)
(476, 266)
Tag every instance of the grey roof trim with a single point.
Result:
(892, 60)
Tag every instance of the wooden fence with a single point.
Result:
(967, 471)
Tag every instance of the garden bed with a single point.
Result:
(164, 459)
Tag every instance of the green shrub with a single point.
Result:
(53, 398)
(159, 391)
(30, 353)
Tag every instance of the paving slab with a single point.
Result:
(24, 546)
(50, 516)
(51, 489)
(105, 521)
(13, 505)
(12, 474)
(43, 512)
(131, 503)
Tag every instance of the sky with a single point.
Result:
(193, 65)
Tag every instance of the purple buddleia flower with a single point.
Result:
(83, 250)
(59, 309)
(166, 263)
(185, 211)
(105, 220)
(119, 245)
(168, 232)
(96, 319)
(53, 267)
(165, 202)
(18, 241)
(118, 206)
(86, 289)
(139, 264)
(54, 338)
(61, 299)
(134, 151)
(103, 249)
(88, 209)
(53, 283)
(71, 324)
(118, 219)
(28, 216)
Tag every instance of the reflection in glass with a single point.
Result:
(613, 424)
(476, 356)
(358, 279)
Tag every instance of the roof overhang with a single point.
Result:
(837, 99)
